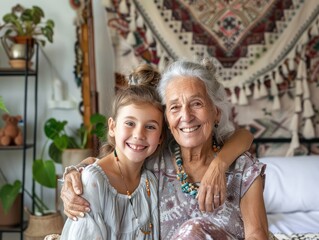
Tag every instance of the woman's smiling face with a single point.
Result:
(190, 112)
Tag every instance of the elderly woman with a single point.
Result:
(197, 113)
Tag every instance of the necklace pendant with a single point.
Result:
(146, 232)
(148, 187)
(128, 194)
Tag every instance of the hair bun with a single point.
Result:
(209, 65)
(144, 74)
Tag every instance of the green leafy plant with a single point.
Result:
(61, 138)
(8, 194)
(28, 22)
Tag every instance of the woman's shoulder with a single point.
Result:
(248, 157)
(245, 161)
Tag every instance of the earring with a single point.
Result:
(216, 147)
(216, 124)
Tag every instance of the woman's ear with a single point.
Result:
(218, 114)
(112, 126)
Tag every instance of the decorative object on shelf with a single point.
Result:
(59, 97)
(18, 49)
(19, 63)
(23, 27)
(11, 134)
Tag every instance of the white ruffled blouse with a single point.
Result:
(111, 216)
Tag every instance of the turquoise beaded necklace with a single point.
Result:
(182, 176)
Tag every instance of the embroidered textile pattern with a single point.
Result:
(266, 53)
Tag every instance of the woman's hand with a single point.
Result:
(74, 205)
(212, 190)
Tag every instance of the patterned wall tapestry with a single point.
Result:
(266, 51)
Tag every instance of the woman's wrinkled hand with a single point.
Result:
(74, 205)
(212, 190)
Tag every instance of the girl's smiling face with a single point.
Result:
(137, 131)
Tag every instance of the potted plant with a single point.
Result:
(10, 200)
(43, 221)
(25, 26)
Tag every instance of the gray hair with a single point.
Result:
(205, 72)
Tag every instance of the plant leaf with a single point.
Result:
(97, 118)
(99, 127)
(2, 106)
(38, 11)
(9, 17)
(53, 128)
(8, 194)
(50, 23)
(27, 15)
(100, 131)
(61, 142)
(48, 33)
(54, 153)
(43, 172)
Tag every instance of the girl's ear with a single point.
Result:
(161, 139)
(112, 126)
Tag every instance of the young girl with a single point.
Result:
(123, 195)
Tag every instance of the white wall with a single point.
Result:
(62, 57)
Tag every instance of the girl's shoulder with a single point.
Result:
(93, 172)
